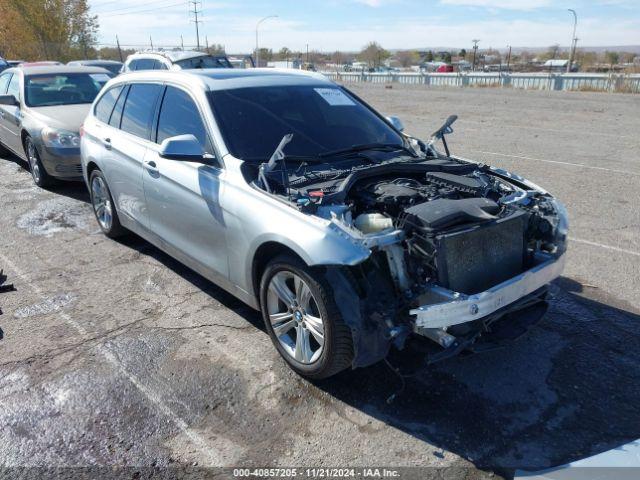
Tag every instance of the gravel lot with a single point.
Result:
(112, 353)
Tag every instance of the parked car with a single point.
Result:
(174, 60)
(15, 63)
(445, 69)
(111, 65)
(41, 110)
(349, 235)
(4, 64)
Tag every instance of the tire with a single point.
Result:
(4, 152)
(103, 206)
(40, 176)
(310, 310)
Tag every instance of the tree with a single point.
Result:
(47, 29)
(446, 57)
(612, 58)
(553, 51)
(429, 56)
(373, 54)
(337, 57)
(284, 54)
(406, 58)
(462, 53)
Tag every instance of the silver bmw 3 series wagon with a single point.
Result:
(349, 235)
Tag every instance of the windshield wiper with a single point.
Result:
(389, 147)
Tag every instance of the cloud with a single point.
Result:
(501, 4)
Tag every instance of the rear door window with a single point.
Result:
(139, 109)
(105, 105)
(179, 115)
(4, 83)
(159, 65)
(145, 64)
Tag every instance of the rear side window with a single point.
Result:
(4, 83)
(105, 105)
(116, 116)
(133, 64)
(139, 109)
(179, 115)
(14, 86)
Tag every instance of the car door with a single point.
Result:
(127, 141)
(4, 83)
(183, 197)
(11, 117)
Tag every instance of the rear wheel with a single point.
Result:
(103, 206)
(40, 176)
(303, 320)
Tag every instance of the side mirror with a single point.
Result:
(10, 100)
(182, 147)
(396, 122)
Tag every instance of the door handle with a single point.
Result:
(151, 166)
(107, 143)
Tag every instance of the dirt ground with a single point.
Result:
(113, 354)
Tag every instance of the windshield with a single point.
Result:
(321, 119)
(207, 61)
(63, 88)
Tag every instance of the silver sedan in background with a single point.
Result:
(349, 235)
(41, 111)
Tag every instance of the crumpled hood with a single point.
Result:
(68, 117)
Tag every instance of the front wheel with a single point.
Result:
(40, 176)
(303, 320)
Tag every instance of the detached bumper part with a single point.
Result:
(453, 308)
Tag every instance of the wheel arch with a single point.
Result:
(265, 252)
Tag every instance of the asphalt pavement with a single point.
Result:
(114, 354)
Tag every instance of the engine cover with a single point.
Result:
(444, 213)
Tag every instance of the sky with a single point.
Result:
(348, 25)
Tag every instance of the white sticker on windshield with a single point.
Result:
(100, 77)
(334, 96)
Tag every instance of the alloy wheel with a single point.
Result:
(34, 164)
(294, 317)
(101, 202)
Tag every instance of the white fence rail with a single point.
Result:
(600, 82)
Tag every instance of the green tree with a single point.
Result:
(284, 54)
(429, 56)
(47, 29)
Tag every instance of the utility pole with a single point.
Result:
(509, 58)
(195, 12)
(307, 55)
(475, 50)
(182, 42)
(119, 49)
(574, 40)
(151, 41)
(206, 41)
(257, 47)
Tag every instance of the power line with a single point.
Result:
(142, 11)
(156, 2)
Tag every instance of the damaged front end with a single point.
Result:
(461, 253)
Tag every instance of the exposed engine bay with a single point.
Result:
(441, 231)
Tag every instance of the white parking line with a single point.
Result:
(552, 130)
(523, 157)
(606, 247)
(199, 441)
